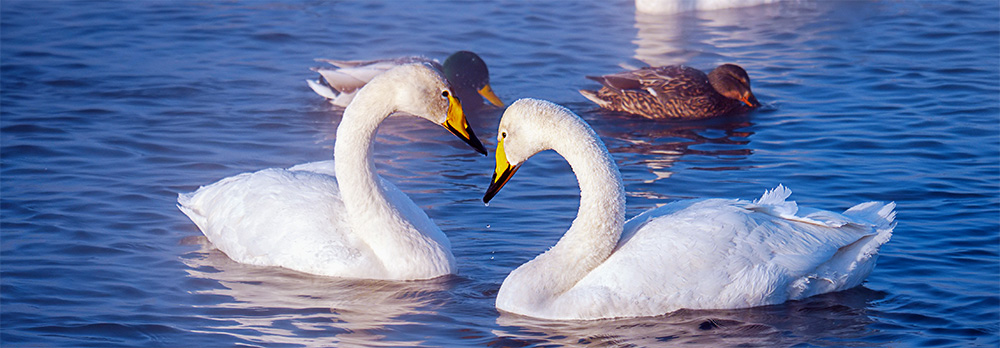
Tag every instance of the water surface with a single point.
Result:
(109, 109)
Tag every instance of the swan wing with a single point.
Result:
(720, 253)
(319, 167)
(418, 219)
(276, 217)
(428, 241)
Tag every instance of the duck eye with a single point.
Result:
(444, 94)
(503, 134)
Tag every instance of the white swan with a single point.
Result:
(676, 6)
(696, 254)
(339, 219)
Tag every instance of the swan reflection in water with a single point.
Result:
(833, 318)
(698, 38)
(271, 305)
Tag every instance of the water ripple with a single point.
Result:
(109, 109)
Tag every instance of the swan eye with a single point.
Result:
(444, 94)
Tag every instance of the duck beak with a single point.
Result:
(750, 100)
(487, 92)
(501, 174)
(457, 125)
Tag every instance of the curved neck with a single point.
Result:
(352, 151)
(601, 216)
(599, 222)
(360, 186)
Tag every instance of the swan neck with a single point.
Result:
(361, 189)
(594, 233)
(352, 151)
(403, 240)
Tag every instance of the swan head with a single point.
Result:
(527, 127)
(468, 70)
(732, 81)
(422, 91)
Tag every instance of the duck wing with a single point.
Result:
(664, 82)
(345, 77)
(390, 62)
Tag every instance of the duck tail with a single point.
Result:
(322, 89)
(592, 95)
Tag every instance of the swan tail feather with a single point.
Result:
(775, 202)
(186, 205)
(776, 196)
(881, 216)
(852, 263)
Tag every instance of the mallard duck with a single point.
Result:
(339, 218)
(694, 254)
(466, 71)
(676, 92)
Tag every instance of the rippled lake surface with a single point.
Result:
(109, 109)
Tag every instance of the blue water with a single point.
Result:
(109, 109)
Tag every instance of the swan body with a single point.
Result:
(339, 218)
(465, 70)
(675, 91)
(695, 254)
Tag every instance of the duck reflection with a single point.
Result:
(275, 306)
(655, 145)
(838, 316)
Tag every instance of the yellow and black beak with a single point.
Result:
(487, 92)
(459, 126)
(501, 174)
